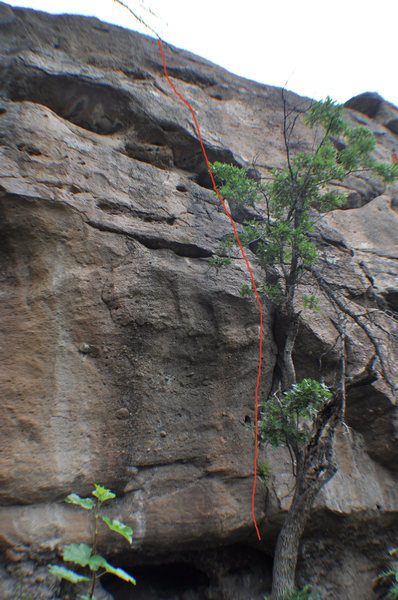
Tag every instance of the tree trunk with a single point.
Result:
(286, 552)
(286, 326)
(316, 469)
(288, 370)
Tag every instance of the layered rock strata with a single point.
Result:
(127, 362)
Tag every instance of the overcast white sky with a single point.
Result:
(317, 48)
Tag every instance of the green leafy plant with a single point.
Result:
(236, 186)
(87, 556)
(218, 262)
(391, 577)
(283, 420)
(264, 472)
(311, 302)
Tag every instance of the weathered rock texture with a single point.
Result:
(126, 362)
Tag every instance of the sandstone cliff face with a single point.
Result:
(126, 362)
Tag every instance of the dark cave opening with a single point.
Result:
(168, 581)
(236, 572)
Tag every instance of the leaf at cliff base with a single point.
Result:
(102, 493)
(86, 503)
(97, 562)
(77, 553)
(67, 574)
(119, 527)
(120, 573)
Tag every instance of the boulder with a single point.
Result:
(367, 103)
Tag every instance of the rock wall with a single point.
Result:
(127, 362)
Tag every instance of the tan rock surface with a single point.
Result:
(125, 361)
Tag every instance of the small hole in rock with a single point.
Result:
(31, 150)
(2, 111)
(216, 97)
(248, 419)
(181, 188)
(74, 189)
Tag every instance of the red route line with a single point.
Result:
(248, 268)
(121, 3)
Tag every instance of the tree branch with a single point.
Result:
(343, 306)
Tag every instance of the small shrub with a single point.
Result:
(87, 556)
(218, 262)
(264, 472)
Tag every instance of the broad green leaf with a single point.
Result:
(102, 493)
(86, 503)
(119, 527)
(67, 574)
(120, 573)
(96, 562)
(77, 553)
